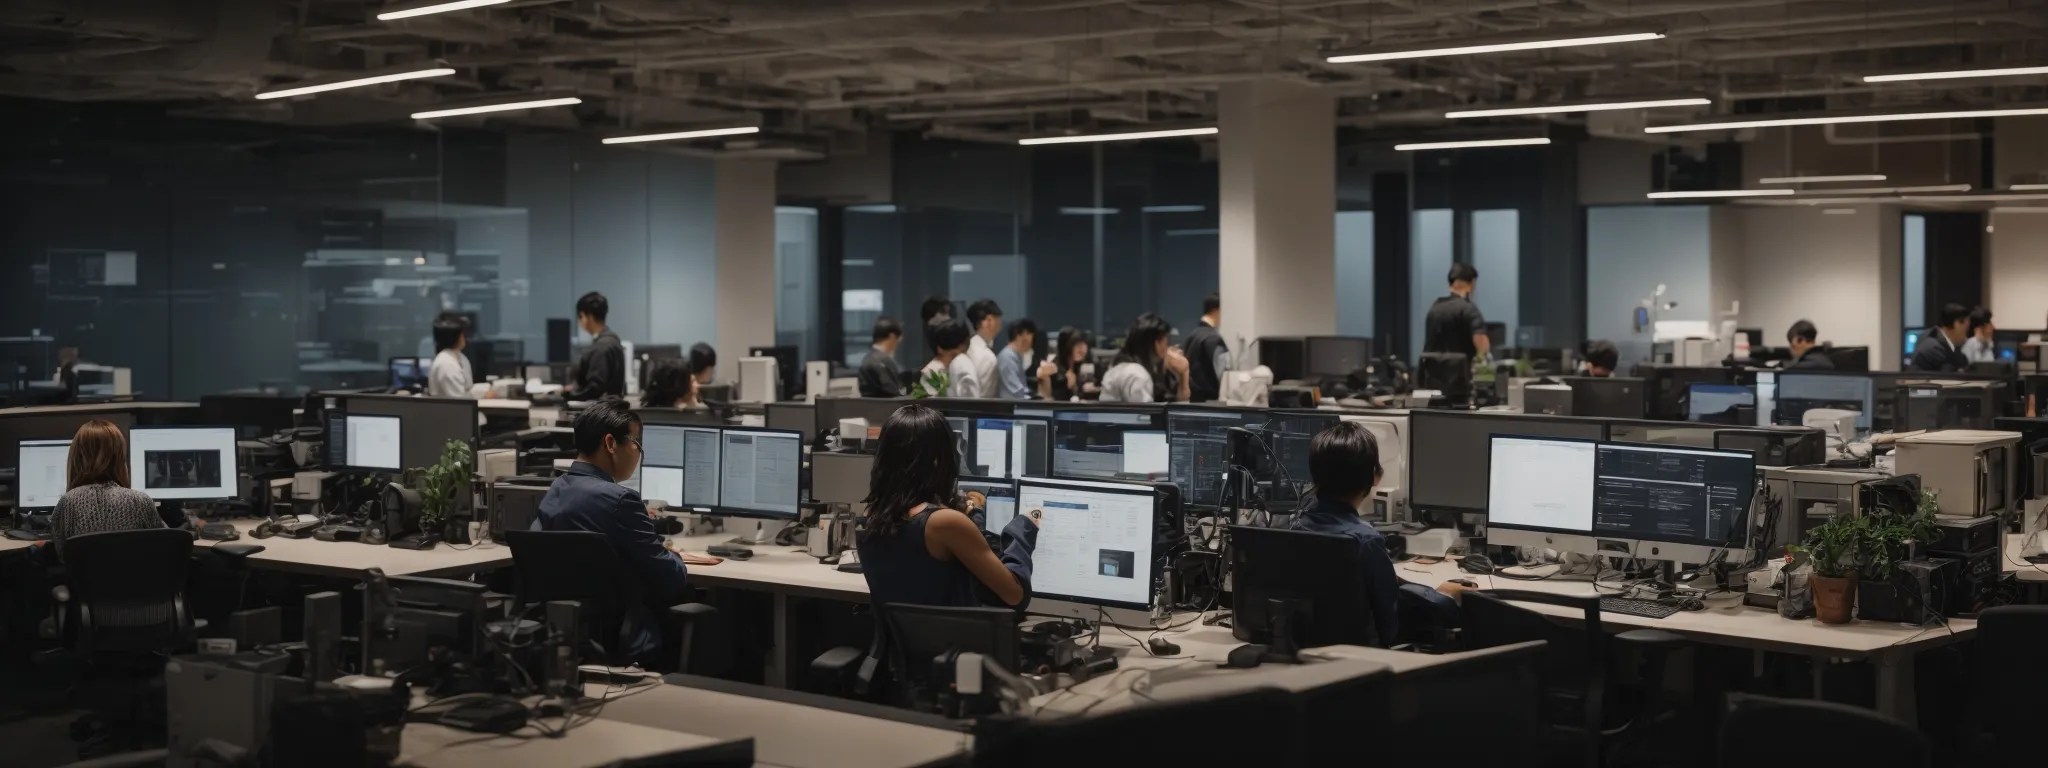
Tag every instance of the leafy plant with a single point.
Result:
(442, 484)
(1835, 546)
(933, 384)
(1892, 533)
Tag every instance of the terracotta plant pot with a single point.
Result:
(1834, 599)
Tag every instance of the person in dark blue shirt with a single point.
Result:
(922, 544)
(1344, 462)
(1807, 355)
(589, 498)
(1940, 349)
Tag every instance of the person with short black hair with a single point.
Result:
(669, 384)
(1060, 379)
(1601, 358)
(933, 308)
(1454, 337)
(703, 362)
(1981, 346)
(588, 497)
(986, 319)
(950, 335)
(601, 372)
(1010, 362)
(1147, 368)
(1940, 349)
(880, 375)
(1344, 463)
(1804, 340)
(1208, 355)
(449, 375)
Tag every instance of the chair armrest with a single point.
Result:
(688, 612)
(1651, 640)
(833, 671)
(234, 553)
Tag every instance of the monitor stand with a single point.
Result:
(764, 534)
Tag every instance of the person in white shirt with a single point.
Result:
(1147, 369)
(1981, 348)
(949, 338)
(987, 320)
(449, 376)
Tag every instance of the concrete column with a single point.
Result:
(746, 259)
(1278, 208)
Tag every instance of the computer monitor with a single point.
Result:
(1198, 447)
(1002, 500)
(1792, 447)
(1088, 443)
(430, 422)
(1541, 485)
(1766, 398)
(1798, 393)
(365, 442)
(1286, 356)
(44, 475)
(409, 372)
(1284, 463)
(1010, 447)
(1449, 450)
(801, 418)
(183, 463)
(760, 474)
(1669, 385)
(1590, 497)
(1094, 544)
(662, 462)
(703, 475)
(1268, 564)
(1145, 453)
(1717, 403)
(1614, 397)
(1336, 357)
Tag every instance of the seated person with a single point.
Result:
(588, 498)
(1601, 358)
(921, 544)
(1344, 462)
(1803, 338)
(99, 499)
(669, 384)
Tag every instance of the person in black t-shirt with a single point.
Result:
(1206, 353)
(1454, 336)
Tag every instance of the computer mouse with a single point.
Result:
(1162, 647)
(1246, 656)
(1475, 564)
(1468, 583)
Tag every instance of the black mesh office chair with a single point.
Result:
(581, 566)
(125, 591)
(2010, 639)
(1760, 730)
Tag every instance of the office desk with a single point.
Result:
(350, 560)
(8, 546)
(596, 743)
(1726, 622)
(793, 730)
(2020, 568)
(782, 572)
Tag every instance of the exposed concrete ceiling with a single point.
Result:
(822, 73)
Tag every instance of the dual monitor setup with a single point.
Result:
(1596, 497)
(1773, 398)
(725, 471)
(166, 463)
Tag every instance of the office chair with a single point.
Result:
(907, 641)
(1760, 730)
(1260, 726)
(581, 566)
(2009, 639)
(1573, 673)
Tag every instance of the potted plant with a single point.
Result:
(441, 487)
(932, 384)
(1833, 547)
(1893, 536)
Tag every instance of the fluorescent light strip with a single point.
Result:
(358, 83)
(424, 10)
(681, 135)
(1174, 208)
(1470, 144)
(1970, 198)
(1719, 193)
(1773, 123)
(496, 108)
(1562, 108)
(1077, 210)
(1118, 136)
(1838, 211)
(1817, 179)
(1954, 74)
(2027, 187)
(1496, 47)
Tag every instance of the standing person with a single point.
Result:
(1804, 340)
(588, 497)
(703, 363)
(987, 320)
(1011, 361)
(1208, 356)
(98, 499)
(1940, 349)
(1980, 348)
(1060, 379)
(950, 336)
(933, 308)
(921, 543)
(449, 375)
(1147, 368)
(1454, 338)
(602, 371)
(880, 376)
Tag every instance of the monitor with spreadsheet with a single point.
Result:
(1094, 542)
(701, 475)
(43, 476)
(1002, 500)
(365, 442)
(1591, 497)
(662, 450)
(760, 473)
(1088, 443)
(183, 463)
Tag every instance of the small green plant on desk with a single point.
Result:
(441, 486)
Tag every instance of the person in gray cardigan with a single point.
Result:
(99, 499)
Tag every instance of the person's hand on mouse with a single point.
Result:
(690, 558)
(1035, 516)
(1453, 590)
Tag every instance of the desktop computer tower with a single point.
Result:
(1947, 404)
(1972, 470)
(1812, 496)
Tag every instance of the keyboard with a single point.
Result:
(1648, 609)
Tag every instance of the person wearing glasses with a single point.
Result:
(589, 498)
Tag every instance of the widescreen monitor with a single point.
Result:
(183, 463)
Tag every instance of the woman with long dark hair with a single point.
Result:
(1060, 379)
(1147, 369)
(921, 543)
